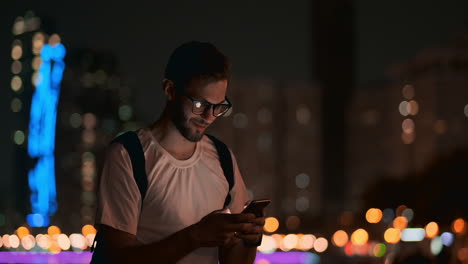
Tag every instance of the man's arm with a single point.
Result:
(122, 247)
(213, 230)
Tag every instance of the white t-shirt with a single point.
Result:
(179, 194)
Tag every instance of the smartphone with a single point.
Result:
(256, 207)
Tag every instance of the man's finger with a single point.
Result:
(259, 221)
(253, 238)
(240, 218)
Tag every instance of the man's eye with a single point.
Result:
(198, 104)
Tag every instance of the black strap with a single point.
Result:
(226, 163)
(132, 144)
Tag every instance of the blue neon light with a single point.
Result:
(41, 140)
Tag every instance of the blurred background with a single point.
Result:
(351, 116)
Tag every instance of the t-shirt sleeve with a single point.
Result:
(119, 200)
(238, 193)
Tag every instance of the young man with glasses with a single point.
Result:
(179, 219)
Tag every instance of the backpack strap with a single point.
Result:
(132, 144)
(226, 163)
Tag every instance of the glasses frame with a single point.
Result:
(210, 105)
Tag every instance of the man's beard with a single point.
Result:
(181, 122)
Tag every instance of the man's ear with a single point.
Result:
(168, 89)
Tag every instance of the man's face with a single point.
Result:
(190, 125)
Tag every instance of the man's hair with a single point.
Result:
(197, 60)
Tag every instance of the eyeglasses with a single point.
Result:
(200, 107)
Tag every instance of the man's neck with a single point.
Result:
(169, 137)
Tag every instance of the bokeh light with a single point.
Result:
(289, 242)
(293, 222)
(432, 229)
(88, 229)
(403, 108)
(268, 245)
(6, 241)
(75, 120)
(306, 242)
(408, 138)
(240, 120)
(264, 116)
(374, 215)
(413, 234)
(271, 224)
(89, 121)
(16, 105)
(400, 222)
(16, 52)
(125, 112)
(340, 238)
(53, 230)
(462, 254)
(302, 203)
(43, 241)
(392, 235)
(28, 242)
(408, 91)
(77, 241)
(14, 241)
(413, 107)
(408, 126)
(303, 114)
(16, 83)
(408, 213)
(22, 232)
(36, 63)
(63, 241)
(379, 250)
(321, 244)
(436, 245)
(440, 127)
(359, 237)
(302, 180)
(459, 226)
(447, 238)
(16, 67)
(19, 137)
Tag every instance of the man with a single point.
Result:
(180, 219)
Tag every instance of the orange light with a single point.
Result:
(462, 254)
(459, 226)
(340, 238)
(432, 229)
(271, 224)
(374, 215)
(88, 229)
(359, 237)
(22, 232)
(53, 230)
(392, 235)
(400, 209)
(400, 222)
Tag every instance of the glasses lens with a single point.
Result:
(220, 109)
(199, 107)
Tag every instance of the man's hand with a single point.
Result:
(255, 234)
(218, 229)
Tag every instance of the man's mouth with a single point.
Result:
(200, 125)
